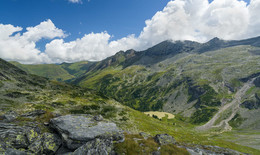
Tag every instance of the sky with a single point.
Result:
(56, 31)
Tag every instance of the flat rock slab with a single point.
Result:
(76, 130)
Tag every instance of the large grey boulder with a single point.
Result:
(77, 130)
(164, 139)
(96, 146)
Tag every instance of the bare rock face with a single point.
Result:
(77, 130)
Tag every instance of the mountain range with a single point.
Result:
(193, 80)
(211, 88)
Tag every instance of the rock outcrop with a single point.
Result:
(213, 150)
(164, 139)
(77, 134)
(77, 130)
(96, 146)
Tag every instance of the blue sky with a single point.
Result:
(55, 31)
(118, 17)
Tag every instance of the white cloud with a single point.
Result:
(89, 47)
(75, 1)
(196, 20)
(22, 47)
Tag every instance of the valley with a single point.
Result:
(209, 92)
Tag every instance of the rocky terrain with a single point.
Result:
(85, 134)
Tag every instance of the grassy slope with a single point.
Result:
(182, 132)
(150, 88)
(64, 99)
(51, 71)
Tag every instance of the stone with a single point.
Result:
(76, 130)
(208, 149)
(96, 146)
(63, 150)
(9, 117)
(46, 143)
(13, 135)
(51, 143)
(2, 147)
(36, 147)
(156, 153)
(98, 118)
(11, 151)
(20, 141)
(34, 113)
(32, 135)
(145, 135)
(164, 139)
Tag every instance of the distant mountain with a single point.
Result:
(187, 78)
(215, 90)
(193, 80)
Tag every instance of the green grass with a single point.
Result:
(236, 121)
(136, 144)
(182, 132)
(51, 71)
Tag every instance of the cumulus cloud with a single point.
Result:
(22, 47)
(90, 47)
(196, 20)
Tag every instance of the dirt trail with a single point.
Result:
(234, 105)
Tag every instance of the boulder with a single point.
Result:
(98, 118)
(2, 147)
(34, 113)
(96, 146)
(11, 151)
(77, 130)
(164, 139)
(63, 151)
(145, 135)
(214, 150)
(156, 153)
(32, 135)
(51, 143)
(46, 143)
(36, 147)
(13, 135)
(9, 117)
